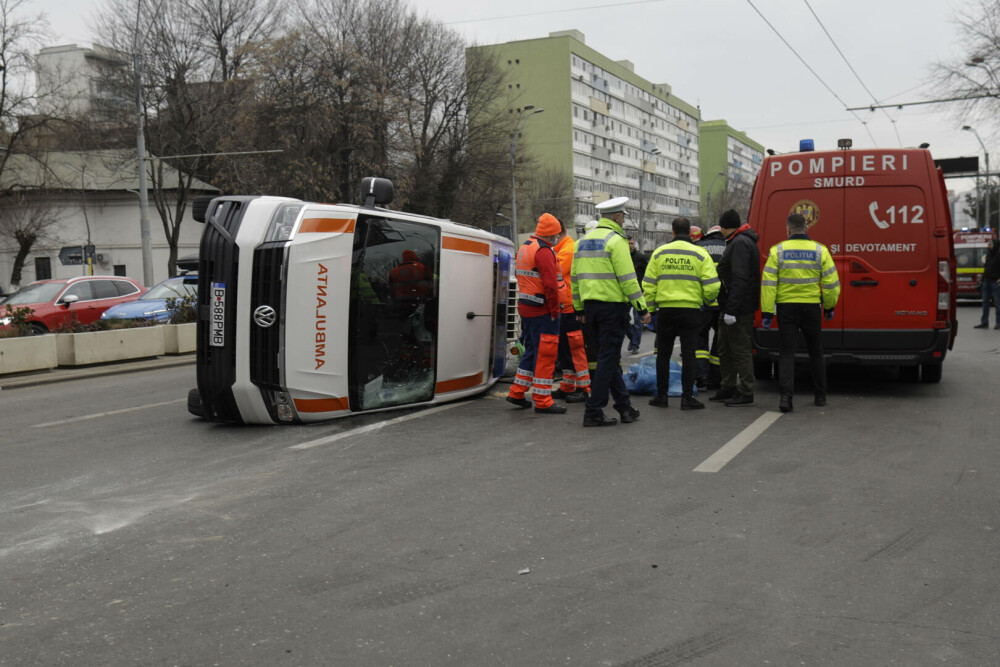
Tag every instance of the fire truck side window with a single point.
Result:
(394, 304)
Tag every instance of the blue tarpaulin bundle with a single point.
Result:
(641, 377)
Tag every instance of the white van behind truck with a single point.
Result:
(318, 311)
(883, 213)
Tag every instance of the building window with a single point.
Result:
(120, 270)
(43, 268)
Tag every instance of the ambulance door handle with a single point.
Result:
(861, 283)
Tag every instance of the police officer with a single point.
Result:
(680, 279)
(799, 277)
(604, 288)
(708, 375)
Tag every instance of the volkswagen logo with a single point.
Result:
(264, 316)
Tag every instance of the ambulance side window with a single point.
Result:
(394, 313)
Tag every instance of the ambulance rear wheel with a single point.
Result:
(194, 403)
(763, 368)
(930, 372)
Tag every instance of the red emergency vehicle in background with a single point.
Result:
(883, 213)
(970, 257)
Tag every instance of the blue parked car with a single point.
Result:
(152, 305)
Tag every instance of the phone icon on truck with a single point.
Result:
(872, 209)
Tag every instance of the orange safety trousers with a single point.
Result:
(538, 365)
(577, 377)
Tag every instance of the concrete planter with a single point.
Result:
(27, 353)
(180, 338)
(99, 347)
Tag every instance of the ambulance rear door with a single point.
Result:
(888, 268)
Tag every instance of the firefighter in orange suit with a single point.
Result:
(575, 383)
(538, 278)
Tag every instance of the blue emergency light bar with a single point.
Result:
(806, 145)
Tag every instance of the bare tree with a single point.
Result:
(974, 74)
(551, 191)
(26, 219)
(227, 29)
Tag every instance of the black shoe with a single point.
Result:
(599, 421)
(629, 415)
(558, 393)
(691, 403)
(981, 326)
(578, 396)
(997, 326)
(820, 400)
(633, 349)
(519, 402)
(739, 400)
(724, 394)
(554, 409)
(659, 401)
(785, 405)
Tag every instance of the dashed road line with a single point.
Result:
(108, 413)
(731, 449)
(374, 427)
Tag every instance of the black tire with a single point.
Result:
(909, 373)
(763, 368)
(194, 404)
(37, 328)
(931, 372)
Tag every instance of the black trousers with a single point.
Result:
(606, 324)
(807, 318)
(673, 323)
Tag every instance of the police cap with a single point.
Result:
(616, 205)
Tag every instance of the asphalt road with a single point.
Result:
(863, 533)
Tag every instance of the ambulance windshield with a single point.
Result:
(394, 313)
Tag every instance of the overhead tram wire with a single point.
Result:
(811, 70)
(853, 71)
(555, 11)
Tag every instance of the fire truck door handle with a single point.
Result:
(861, 283)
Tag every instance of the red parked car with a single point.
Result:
(56, 301)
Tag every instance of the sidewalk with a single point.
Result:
(17, 381)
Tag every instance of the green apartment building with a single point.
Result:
(615, 132)
(730, 161)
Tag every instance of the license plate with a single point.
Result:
(217, 327)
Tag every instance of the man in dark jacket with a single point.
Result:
(991, 286)
(739, 270)
(708, 376)
(639, 260)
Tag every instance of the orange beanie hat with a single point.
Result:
(548, 225)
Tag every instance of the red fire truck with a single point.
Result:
(970, 254)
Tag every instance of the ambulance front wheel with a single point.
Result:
(930, 372)
(194, 403)
(763, 368)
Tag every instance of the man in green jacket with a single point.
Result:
(680, 281)
(799, 277)
(605, 287)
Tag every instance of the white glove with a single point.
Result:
(729, 319)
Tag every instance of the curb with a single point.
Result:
(67, 374)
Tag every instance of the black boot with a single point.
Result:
(659, 401)
(691, 403)
(724, 394)
(785, 404)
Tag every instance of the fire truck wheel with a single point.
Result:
(930, 372)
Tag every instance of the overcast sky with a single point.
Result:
(721, 55)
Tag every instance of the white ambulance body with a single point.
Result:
(319, 311)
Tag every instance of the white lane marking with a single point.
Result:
(731, 449)
(374, 427)
(108, 413)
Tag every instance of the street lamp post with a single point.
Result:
(986, 153)
(513, 161)
(708, 199)
(642, 171)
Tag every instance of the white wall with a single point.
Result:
(114, 231)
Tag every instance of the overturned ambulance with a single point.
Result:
(318, 311)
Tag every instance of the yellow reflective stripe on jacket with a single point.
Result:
(799, 271)
(602, 268)
(680, 275)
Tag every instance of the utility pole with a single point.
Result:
(513, 162)
(642, 170)
(140, 156)
(986, 153)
